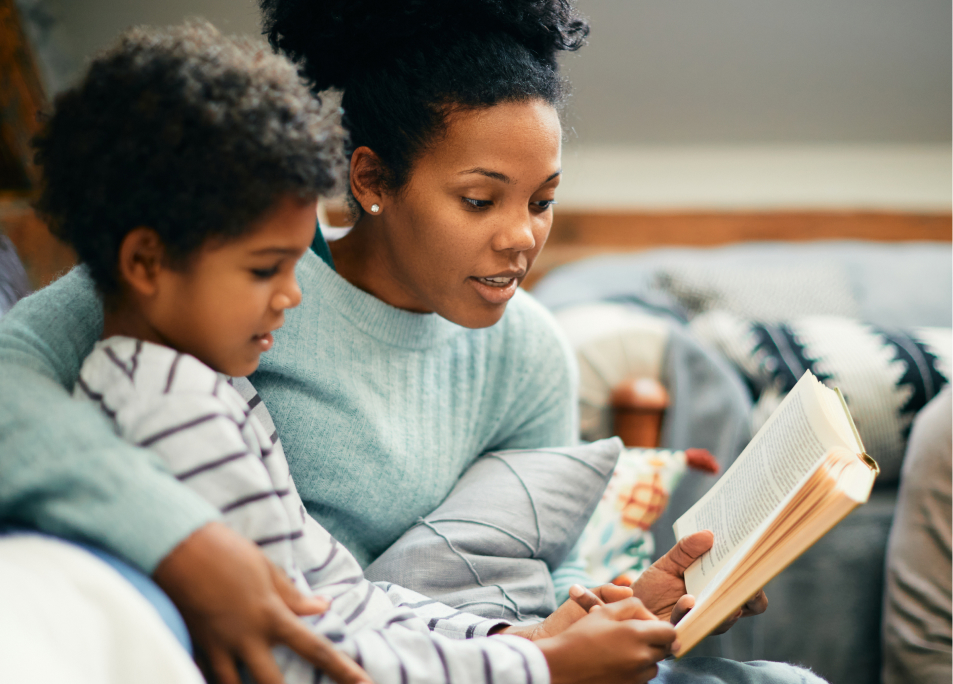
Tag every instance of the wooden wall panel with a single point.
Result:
(581, 234)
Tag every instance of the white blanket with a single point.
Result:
(65, 616)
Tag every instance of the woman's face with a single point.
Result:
(463, 232)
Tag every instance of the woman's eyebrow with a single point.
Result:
(496, 175)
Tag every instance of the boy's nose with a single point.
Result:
(288, 298)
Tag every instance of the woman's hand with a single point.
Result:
(620, 642)
(662, 587)
(566, 615)
(238, 605)
(756, 605)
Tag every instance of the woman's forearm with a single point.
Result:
(63, 469)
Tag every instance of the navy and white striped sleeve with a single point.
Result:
(441, 618)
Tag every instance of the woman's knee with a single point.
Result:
(722, 671)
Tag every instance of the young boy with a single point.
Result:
(184, 171)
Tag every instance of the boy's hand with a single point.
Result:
(567, 614)
(620, 642)
(238, 605)
(662, 586)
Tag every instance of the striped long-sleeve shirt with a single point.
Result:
(205, 433)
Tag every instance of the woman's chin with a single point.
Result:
(474, 315)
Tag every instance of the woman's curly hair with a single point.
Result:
(184, 131)
(404, 67)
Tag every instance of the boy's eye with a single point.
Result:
(264, 273)
(476, 204)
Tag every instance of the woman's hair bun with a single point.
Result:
(333, 40)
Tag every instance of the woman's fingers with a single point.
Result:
(685, 552)
(682, 606)
(320, 652)
(756, 605)
(222, 667)
(294, 599)
(262, 666)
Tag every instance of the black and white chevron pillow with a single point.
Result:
(886, 375)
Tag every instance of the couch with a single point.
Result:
(825, 609)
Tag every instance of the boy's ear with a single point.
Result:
(367, 178)
(141, 258)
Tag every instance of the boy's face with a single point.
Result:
(223, 307)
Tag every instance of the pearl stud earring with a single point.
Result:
(375, 208)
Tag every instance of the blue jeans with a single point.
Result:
(722, 671)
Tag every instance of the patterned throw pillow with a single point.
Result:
(617, 544)
(886, 376)
(765, 293)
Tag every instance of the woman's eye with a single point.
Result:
(476, 203)
(543, 205)
(264, 273)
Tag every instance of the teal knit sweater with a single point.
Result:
(379, 410)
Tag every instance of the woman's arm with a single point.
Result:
(64, 470)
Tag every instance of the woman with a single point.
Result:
(455, 161)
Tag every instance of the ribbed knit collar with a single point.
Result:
(380, 320)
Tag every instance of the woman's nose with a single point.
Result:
(517, 234)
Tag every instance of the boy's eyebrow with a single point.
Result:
(275, 250)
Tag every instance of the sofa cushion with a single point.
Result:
(512, 517)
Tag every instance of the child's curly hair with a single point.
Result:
(184, 131)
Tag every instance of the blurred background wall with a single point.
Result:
(692, 104)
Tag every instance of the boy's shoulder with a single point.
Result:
(121, 370)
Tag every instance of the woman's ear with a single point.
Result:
(367, 179)
(141, 258)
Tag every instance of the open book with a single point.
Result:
(803, 472)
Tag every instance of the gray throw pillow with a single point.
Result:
(511, 518)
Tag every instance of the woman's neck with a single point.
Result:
(361, 257)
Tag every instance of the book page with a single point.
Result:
(784, 452)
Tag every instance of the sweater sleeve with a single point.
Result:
(64, 470)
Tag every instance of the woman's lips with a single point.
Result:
(495, 289)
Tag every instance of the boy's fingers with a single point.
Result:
(610, 593)
(584, 597)
(659, 634)
(627, 609)
(320, 652)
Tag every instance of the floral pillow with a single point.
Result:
(617, 544)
